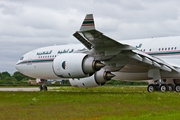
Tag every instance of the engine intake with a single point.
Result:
(75, 65)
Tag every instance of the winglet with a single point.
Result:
(88, 23)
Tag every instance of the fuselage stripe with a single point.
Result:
(35, 61)
(163, 53)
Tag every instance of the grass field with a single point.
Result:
(103, 103)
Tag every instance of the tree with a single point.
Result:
(5, 75)
(20, 76)
(0, 76)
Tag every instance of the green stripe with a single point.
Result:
(41, 61)
(164, 53)
(35, 61)
(88, 22)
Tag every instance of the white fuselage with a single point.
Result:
(38, 63)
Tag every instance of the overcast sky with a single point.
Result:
(29, 24)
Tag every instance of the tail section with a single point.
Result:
(88, 23)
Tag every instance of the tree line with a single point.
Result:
(16, 78)
(120, 82)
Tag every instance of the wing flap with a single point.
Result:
(147, 61)
(82, 40)
(165, 68)
(156, 61)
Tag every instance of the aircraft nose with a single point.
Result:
(17, 66)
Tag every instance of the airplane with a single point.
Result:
(100, 58)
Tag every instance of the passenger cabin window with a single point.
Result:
(172, 48)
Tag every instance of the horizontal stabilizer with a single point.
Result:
(88, 23)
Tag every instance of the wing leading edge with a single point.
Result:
(117, 56)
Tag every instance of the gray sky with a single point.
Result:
(29, 24)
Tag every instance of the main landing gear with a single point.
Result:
(161, 87)
(43, 86)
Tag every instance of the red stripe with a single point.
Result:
(88, 25)
(88, 19)
(167, 55)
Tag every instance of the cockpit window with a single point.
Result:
(22, 58)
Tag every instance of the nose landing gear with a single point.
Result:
(43, 86)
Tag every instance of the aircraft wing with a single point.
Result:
(117, 56)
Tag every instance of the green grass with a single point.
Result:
(103, 103)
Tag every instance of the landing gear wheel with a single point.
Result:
(156, 87)
(43, 88)
(171, 87)
(164, 88)
(177, 88)
(40, 88)
(151, 88)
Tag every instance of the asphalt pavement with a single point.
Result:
(20, 89)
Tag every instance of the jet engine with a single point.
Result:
(97, 79)
(75, 65)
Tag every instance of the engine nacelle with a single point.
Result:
(75, 65)
(97, 79)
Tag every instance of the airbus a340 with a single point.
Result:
(99, 59)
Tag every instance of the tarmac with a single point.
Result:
(19, 89)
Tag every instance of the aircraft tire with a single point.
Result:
(40, 88)
(157, 87)
(177, 88)
(164, 88)
(45, 88)
(151, 88)
(171, 87)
